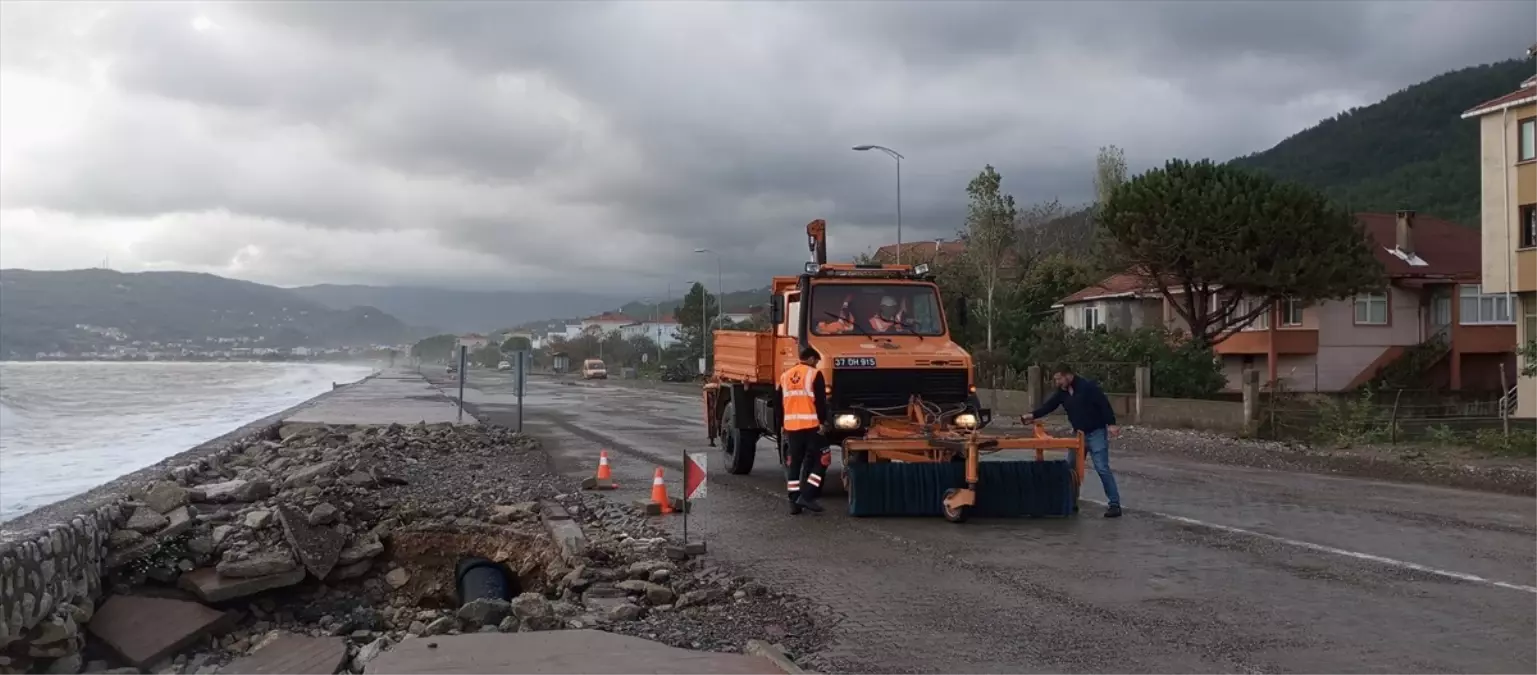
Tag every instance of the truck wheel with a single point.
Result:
(740, 445)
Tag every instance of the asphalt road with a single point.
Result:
(1213, 568)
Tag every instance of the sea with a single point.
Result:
(67, 427)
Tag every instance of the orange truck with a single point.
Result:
(904, 408)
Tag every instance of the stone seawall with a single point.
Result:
(53, 560)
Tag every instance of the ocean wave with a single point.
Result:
(68, 427)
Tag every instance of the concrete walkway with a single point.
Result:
(395, 396)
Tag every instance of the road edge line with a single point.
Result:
(1392, 562)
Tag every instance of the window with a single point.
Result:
(1528, 224)
(1291, 313)
(1441, 310)
(1527, 145)
(864, 309)
(1479, 307)
(1092, 317)
(1372, 309)
(1260, 322)
(1529, 312)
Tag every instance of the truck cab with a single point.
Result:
(883, 338)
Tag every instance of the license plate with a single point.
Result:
(853, 362)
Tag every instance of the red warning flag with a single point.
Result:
(695, 476)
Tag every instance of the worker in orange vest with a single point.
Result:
(807, 455)
(887, 319)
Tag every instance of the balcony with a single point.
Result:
(1484, 338)
(1287, 341)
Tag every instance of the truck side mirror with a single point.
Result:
(963, 312)
(777, 309)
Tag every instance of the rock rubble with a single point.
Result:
(351, 534)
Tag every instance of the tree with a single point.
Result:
(437, 348)
(1223, 245)
(989, 235)
(487, 356)
(1109, 173)
(698, 305)
(516, 343)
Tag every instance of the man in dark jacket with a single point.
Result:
(1089, 411)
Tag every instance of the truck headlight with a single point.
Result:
(846, 421)
(966, 420)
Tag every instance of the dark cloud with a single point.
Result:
(595, 145)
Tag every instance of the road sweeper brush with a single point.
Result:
(921, 463)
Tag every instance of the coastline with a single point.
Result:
(39, 520)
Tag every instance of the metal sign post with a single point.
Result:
(524, 360)
(463, 352)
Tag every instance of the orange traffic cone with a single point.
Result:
(659, 494)
(604, 474)
(604, 480)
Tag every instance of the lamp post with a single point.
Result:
(898, 157)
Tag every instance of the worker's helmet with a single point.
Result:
(888, 305)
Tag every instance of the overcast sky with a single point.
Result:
(594, 146)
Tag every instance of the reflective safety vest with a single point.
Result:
(881, 325)
(800, 404)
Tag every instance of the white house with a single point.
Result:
(606, 322)
(664, 331)
(473, 341)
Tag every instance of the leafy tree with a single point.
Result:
(516, 343)
(698, 305)
(1210, 237)
(990, 236)
(1179, 368)
(1109, 172)
(487, 356)
(436, 349)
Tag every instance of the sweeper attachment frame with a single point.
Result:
(917, 462)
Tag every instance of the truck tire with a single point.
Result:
(740, 445)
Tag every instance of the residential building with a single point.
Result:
(1433, 306)
(1508, 169)
(663, 331)
(473, 341)
(917, 252)
(605, 323)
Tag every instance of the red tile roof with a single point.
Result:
(1448, 249)
(921, 250)
(1527, 93)
(1116, 284)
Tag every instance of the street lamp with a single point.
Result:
(898, 157)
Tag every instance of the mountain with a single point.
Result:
(94, 309)
(452, 311)
(1409, 151)
(733, 302)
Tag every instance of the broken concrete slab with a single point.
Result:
(222, 492)
(179, 520)
(564, 651)
(295, 654)
(264, 563)
(146, 520)
(209, 586)
(145, 630)
(319, 547)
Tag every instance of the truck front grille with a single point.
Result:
(889, 388)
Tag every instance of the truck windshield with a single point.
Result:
(876, 308)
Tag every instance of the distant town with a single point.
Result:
(114, 344)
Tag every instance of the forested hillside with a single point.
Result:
(1409, 151)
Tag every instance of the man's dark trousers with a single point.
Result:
(806, 459)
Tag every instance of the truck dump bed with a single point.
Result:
(745, 356)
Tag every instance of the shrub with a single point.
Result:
(1519, 442)
(1179, 368)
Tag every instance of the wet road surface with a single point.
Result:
(1213, 568)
